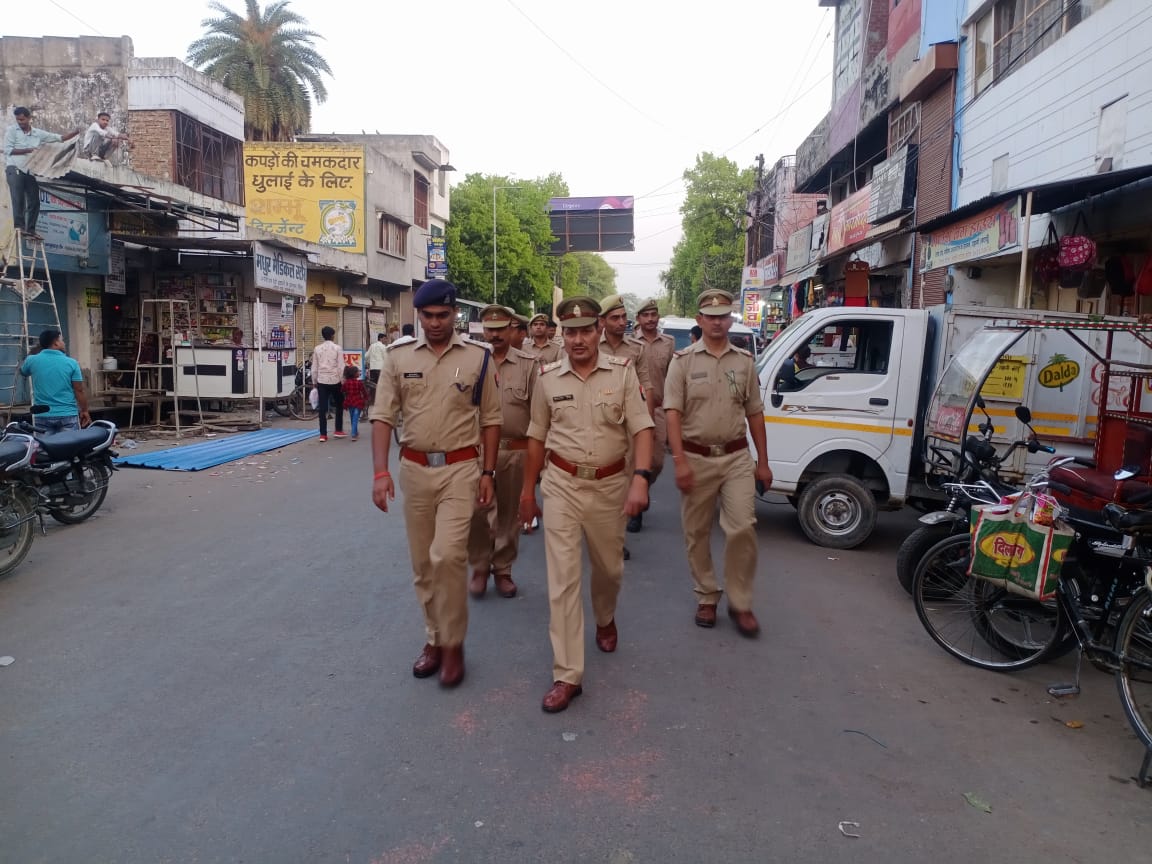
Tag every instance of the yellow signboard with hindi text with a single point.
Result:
(310, 191)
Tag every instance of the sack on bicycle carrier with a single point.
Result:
(1015, 552)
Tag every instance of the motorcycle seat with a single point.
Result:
(12, 452)
(1101, 484)
(65, 445)
(1129, 521)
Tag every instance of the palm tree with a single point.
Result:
(268, 58)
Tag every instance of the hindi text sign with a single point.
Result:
(312, 191)
(278, 270)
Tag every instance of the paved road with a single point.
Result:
(216, 668)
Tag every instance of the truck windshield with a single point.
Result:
(951, 404)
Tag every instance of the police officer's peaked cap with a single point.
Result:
(495, 317)
(611, 303)
(539, 316)
(715, 302)
(521, 320)
(435, 292)
(648, 305)
(578, 312)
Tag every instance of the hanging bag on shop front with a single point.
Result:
(1045, 269)
(1019, 546)
(1077, 250)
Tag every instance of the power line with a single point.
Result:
(72, 14)
(587, 71)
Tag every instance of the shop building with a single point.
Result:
(1053, 129)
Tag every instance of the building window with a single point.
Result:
(903, 126)
(207, 161)
(420, 200)
(1016, 31)
(393, 237)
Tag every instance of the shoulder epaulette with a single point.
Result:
(680, 353)
(396, 345)
(619, 361)
(743, 351)
(476, 344)
(548, 367)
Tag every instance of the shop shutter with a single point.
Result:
(934, 183)
(352, 335)
(327, 316)
(306, 330)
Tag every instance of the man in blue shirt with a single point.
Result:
(20, 141)
(57, 383)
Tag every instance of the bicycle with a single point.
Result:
(1103, 605)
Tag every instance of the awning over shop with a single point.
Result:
(876, 234)
(1046, 197)
(799, 275)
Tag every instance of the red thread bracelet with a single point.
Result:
(380, 474)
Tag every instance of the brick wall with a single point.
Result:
(154, 138)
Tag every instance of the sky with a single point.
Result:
(618, 96)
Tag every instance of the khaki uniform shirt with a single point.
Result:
(657, 358)
(634, 352)
(516, 375)
(435, 394)
(715, 395)
(590, 421)
(550, 353)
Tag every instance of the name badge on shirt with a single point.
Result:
(413, 374)
(567, 397)
(699, 375)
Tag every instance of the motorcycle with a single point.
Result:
(18, 501)
(975, 479)
(68, 471)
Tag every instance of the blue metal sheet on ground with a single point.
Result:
(196, 457)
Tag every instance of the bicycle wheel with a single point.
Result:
(977, 622)
(1134, 677)
(299, 405)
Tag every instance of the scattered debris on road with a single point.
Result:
(843, 826)
(869, 737)
(7, 661)
(976, 801)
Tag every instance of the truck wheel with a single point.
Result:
(837, 511)
(917, 544)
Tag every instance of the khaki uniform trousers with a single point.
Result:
(659, 442)
(575, 508)
(438, 507)
(730, 478)
(494, 539)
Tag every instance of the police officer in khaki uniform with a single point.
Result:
(614, 320)
(495, 535)
(712, 399)
(586, 412)
(658, 350)
(445, 387)
(518, 331)
(542, 346)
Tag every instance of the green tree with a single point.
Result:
(711, 252)
(269, 59)
(525, 271)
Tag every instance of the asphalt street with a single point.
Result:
(216, 668)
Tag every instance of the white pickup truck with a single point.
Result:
(845, 434)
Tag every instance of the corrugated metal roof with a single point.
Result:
(196, 457)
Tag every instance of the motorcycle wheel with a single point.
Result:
(96, 478)
(281, 407)
(15, 542)
(916, 546)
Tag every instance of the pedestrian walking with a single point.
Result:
(352, 388)
(327, 374)
(494, 540)
(445, 387)
(712, 400)
(542, 345)
(587, 412)
(656, 357)
(375, 357)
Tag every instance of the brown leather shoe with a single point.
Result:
(706, 615)
(505, 587)
(560, 696)
(746, 622)
(428, 662)
(478, 584)
(452, 666)
(606, 637)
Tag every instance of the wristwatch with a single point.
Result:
(643, 472)
(487, 473)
